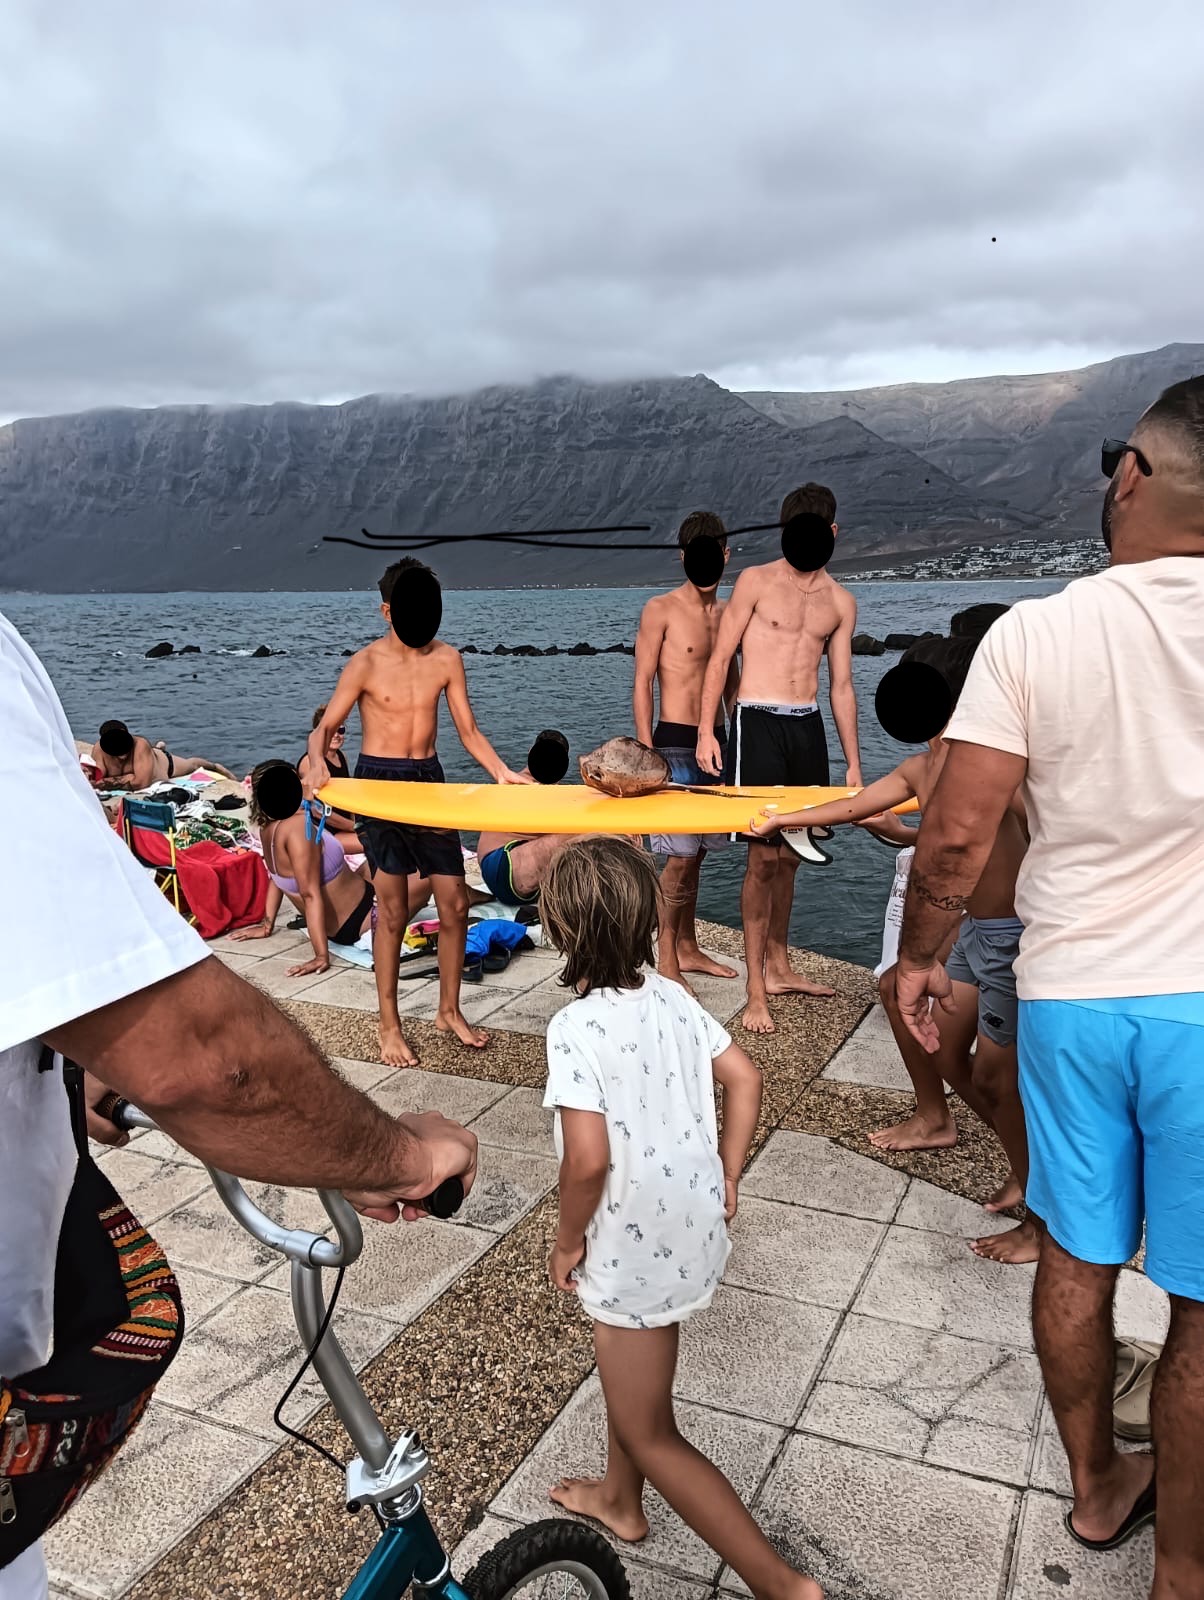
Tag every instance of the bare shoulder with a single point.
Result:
(915, 774)
(844, 600)
(654, 610)
(446, 658)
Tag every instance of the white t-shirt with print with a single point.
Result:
(657, 1246)
(81, 925)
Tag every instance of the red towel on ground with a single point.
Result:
(225, 889)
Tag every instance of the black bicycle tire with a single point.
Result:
(539, 1545)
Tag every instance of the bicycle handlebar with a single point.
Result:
(298, 1244)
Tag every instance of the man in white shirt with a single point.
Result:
(95, 963)
(1092, 702)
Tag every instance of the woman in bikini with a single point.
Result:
(307, 867)
(339, 822)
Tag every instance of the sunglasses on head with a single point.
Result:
(1113, 451)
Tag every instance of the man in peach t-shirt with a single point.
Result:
(1092, 703)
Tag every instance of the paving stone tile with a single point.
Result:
(722, 997)
(364, 1075)
(932, 1281)
(800, 1253)
(281, 942)
(170, 1474)
(404, 1267)
(350, 987)
(518, 1121)
(203, 1292)
(272, 977)
(202, 1233)
(149, 1185)
(410, 1089)
(416, 998)
(870, 1056)
(874, 1527)
(937, 1211)
(509, 1183)
(242, 958)
(755, 1354)
(236, 1365)
(806, 1171)
(951, 1402)
(575, 1446)
(154, 1142)
(531, 1012)
(1142, 1308)
(1049, 1565)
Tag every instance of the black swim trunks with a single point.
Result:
(400, 848)
(777, 744)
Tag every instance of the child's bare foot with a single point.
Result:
(394, 1051)
(756, 1018)
(1014, 1248)
(587, 1497)
(456, 1022)
(693, 959)
(1008, 1195)
(787, 981)
(916, 1133)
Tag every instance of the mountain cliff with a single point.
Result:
(1030, 443)
(240, 497)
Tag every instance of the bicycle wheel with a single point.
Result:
(553, 1560)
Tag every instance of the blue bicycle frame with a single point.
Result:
(402, 1552)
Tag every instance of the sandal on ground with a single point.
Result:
(1144, 1510)
(496, 961)
(474, 971)
(1136, 1365)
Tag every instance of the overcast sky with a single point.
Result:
(268, 200)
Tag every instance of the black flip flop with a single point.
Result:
(496, 961)
(474, 971)
(1144, 1510)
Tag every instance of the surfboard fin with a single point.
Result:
(804, 843)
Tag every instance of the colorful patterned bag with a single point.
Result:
(118, 1321)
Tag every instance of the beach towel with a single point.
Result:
(225, 889)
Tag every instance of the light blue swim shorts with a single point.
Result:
(1113, 1095)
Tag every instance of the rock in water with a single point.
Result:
(164, 648)
(625, 769)
(864, 644)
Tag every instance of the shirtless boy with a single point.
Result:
(676, 635)
(397, 687)
(126, 760)
(782, 619)
(984, 988)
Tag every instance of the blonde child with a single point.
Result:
(647, 1187)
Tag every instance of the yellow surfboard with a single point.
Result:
(566, 807)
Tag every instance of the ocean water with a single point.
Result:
(230, 707)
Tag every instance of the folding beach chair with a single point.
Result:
(154, 816)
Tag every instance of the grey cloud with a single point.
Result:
(306, 201)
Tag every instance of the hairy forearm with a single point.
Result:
(939, 889)
(227, 1074)
(580, 1196)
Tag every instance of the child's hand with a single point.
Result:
(561, 1264)
(764, 826)
(731, 1197)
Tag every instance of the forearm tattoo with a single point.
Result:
(943, 902)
